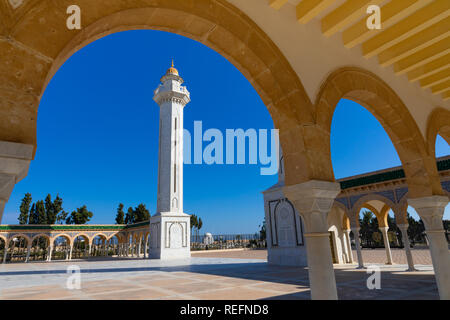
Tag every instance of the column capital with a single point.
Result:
(431, 210)
(313, 200)
(15, 160)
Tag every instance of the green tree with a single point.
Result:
(141, 213)
(129, 218)
(194, 223)
(33, 217)
(199, 226)
(120, 214)
(62, 216)
(57, 209)
(50, 215)
(25, 209)
(41, 215)
(416, 229)
(80, 216)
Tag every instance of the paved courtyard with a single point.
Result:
(203, 278)
(420, 256)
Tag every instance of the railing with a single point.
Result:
(227, 241)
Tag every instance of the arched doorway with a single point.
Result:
(40, 248)
(60, 249)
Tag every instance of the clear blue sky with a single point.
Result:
(98, 133)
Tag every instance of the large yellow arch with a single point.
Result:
(377, 97)
(45, 43)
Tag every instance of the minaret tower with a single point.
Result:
(170, 226)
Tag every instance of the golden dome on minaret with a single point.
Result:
(172, 70)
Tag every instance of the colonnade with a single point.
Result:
(431, 211)
(99, 246)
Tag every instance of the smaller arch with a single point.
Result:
(113, 235)
(41, 235)
(3, 237)
(66, 236)
(371, 92)
(80, 248)
(99, 235)
(19, 235)
(371, 197)
(438, 124)
(39, 248)
(381, 215)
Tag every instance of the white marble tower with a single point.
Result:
(170, 226)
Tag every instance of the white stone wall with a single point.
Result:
(285, 242)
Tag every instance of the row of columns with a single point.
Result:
(384, 231)
(103, 250)
(133, 248)
(431, 211)
(314, 199)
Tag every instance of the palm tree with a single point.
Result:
(199, 226)
(194, 222)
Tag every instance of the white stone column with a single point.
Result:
(15, 160)
(355, 231)
(5, 254)
(431, 210)
(405, 239)
(70, 252)
(50, 251)
(349, 246)
(313, 200)
(28, 253)
(90, 248)
(145, 247)
(138, 249)
(387, 246)
(104, 248)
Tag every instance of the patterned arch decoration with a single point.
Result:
(377, 97)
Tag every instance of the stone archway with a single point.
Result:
(40, 43)
(40, 244)
(438, 124)
(377, 97)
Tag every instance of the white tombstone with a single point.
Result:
(284, 227)
(170, 226)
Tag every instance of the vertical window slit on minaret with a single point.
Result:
(175, 157)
